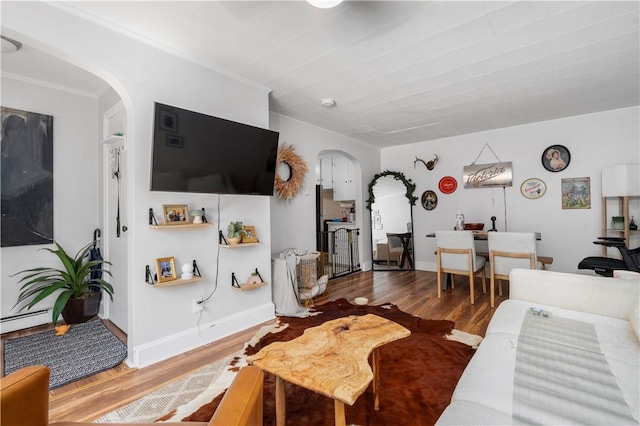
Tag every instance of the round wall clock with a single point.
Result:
(533, 188)
(429, 200)
(447, 185)
(556, 158)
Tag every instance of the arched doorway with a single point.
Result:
(338, 218)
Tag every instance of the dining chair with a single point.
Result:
(394, 249)
(456, 255)
(507, 251)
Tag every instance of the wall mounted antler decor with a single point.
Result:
(429, 164)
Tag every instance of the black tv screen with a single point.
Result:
(194, 152)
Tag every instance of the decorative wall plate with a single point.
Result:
(429, 200)
(533, 188)
(556, 158)
(448, 185)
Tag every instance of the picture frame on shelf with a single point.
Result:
(556, 158)
(175, 214)
(249, 234)
(166, 269)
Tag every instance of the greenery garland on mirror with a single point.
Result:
(408, 183)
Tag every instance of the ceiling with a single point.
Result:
(400, 72)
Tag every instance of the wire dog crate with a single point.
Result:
(309, 277)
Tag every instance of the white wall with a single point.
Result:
(75, 185)
(293, 223)
(161, 319)
(595, 141)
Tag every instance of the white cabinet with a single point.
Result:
(344, 187)
(326, 172)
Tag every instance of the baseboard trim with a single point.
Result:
(169, 346)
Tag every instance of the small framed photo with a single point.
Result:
(168, 121)
(249, 234)
(166, 269)
(556, 158)
(576, 193)
(175, 214)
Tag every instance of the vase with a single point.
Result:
(233, 241)
(79, 310)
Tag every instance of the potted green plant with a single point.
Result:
(77, 302)
(234, 232)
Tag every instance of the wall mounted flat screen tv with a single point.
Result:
(194, 152)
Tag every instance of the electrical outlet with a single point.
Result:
(197, 307)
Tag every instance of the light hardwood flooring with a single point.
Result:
(412, 291)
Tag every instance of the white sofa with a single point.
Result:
(484, 393)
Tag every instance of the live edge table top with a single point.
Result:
(331, 359)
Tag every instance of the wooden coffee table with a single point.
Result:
(330, 359)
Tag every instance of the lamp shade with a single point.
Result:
(620, 181)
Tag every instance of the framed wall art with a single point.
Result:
(556, 158)
(576, 193)
(429, 200)
(533, 188)
(166, 269)
(175, 214)
(26, 177)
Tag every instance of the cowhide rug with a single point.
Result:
(418, 373)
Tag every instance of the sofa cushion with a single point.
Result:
(488, 379)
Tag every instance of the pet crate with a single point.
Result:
(311, 276)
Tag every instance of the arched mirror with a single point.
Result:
(391, 203)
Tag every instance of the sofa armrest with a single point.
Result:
(242, 403)
(24, 397)
(610, 297)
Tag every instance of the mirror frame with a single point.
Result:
(411, 187)
(408, 183)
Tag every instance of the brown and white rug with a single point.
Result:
(418, 374)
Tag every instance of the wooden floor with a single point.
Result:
(412, 291)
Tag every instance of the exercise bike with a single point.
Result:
(605, 266)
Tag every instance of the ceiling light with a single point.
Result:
(324, 4)
(9, 45)
(328, 103)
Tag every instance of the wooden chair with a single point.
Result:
(456, 255)
(507, 251)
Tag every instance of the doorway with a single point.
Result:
(337, 224)
(114, 178)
